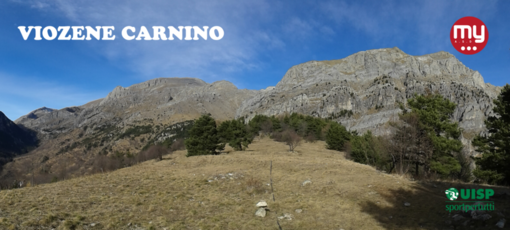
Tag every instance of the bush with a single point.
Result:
(104, 163)
(178, 145)
(368, 149)
(289, 137)
(254, 185)
(136, 131)
(154, 152)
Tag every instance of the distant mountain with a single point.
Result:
(162, 100)
(130, 119)
(14, 139)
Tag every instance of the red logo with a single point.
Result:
(469, 35)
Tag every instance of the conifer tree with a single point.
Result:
(235, 133)
(203, 138)
(256, 123)
(494, 165)
(434, 114)
(224, 132)
(336, 136)
(240, 135)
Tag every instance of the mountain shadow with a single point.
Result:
(423, 206)
(14, 139)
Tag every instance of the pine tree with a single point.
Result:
(494, 165)
(276, 124)
(434, 114)
(235, 133)
(240, 135)
(224, 132)
(336, 136)
(203, 138)
(256, 123)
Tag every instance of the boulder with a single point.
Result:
(261, 204)
(501, 223)
(306, 182)
(261, 212)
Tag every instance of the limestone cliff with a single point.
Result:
(363, 90)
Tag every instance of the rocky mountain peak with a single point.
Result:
(161, 100)
(35, 114)
(365, 66)
(4, 121)
(224, 85)
(363, 91)
(154, 86)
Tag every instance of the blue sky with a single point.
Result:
(263, 39)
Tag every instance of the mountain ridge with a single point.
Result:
(371, 84)
(363, 91)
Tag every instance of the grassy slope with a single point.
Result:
(175, 194)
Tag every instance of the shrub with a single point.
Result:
(289, 137)
(155, 152)
(368, 149)
(136, 131)
(178, 145)
(254, 185)
(104, 163)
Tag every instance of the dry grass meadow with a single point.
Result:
(220, 192)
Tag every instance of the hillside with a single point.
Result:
(220, 192)
(127, 120)
(14, 139)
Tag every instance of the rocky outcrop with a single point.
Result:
(363, 91)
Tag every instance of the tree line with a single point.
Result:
(208, 138)
(424, 142)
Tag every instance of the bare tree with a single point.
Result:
(29, 165)
(409, 145)
(292, 139)
(266, 127)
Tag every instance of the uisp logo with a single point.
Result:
(452, 193)
(469, 200)
(469, 35)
